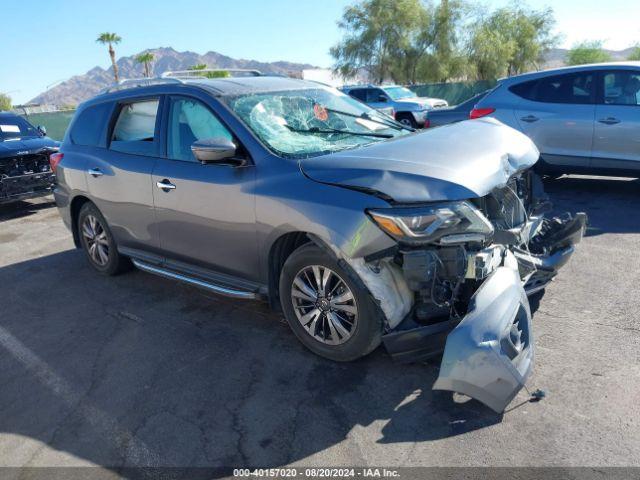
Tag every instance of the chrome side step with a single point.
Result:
(220, 290)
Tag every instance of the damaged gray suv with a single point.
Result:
(360, 230)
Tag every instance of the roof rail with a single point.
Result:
(138, 82)
(198, 73)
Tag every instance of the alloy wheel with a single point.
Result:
(324, 304)
(96, 240)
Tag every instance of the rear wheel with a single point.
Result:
(98, 243)
(331, 313)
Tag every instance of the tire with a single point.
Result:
(407, 119)
(100, 250)
(324, 333)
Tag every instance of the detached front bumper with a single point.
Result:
(489, 355)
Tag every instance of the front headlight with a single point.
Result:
(447, 223)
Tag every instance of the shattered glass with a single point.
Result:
(296, 123)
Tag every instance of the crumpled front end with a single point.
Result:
(470, 291)
(26, 175)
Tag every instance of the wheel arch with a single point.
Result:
(280, 250)
(75, 207)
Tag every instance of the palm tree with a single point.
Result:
(107, 38)
(146, 59)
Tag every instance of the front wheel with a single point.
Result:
(330, 312)
(407, 119)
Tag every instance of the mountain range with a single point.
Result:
(81, 87)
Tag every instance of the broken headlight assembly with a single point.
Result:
(444, 223)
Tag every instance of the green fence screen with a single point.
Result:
(56, 123)
(454, 93)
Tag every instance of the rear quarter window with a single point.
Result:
(573, 88)
(89, 127)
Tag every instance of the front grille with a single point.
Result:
(25, 175)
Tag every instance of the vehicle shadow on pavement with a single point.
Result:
(136, 370)
(13, 210)
(610, 203)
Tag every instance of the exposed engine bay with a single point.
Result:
(468, 291)
(26, 175)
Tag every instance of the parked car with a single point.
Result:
(24, 159)
(409, 108)
(457, 113)
(583, 119)
(358, 229)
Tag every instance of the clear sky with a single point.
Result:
(44, 41)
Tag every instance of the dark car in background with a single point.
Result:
(457, 113)
(24, 159)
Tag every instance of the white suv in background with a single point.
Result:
(410, 109)
(583, 119)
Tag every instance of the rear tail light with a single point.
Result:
(481, 112)
(54, 160)
(427, 123)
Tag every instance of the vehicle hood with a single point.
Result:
(421, 102)
(23, 146)
(455, 162)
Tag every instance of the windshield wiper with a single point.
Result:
(329, 131)
(365, 116)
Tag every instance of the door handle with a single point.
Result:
(530, 119)
(95, 172)
(165, 185)
(609, 120)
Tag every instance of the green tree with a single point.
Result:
(510, 41)
(589, 51)
(447, 59)
(376, 31)
(635, 54)
(216, 74)
(146, 59)
(110, 39)
(490, 53)
(5, 102)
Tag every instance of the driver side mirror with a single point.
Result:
(216, 150)
(42, 130)
(382, 98)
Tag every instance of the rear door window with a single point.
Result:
(374, 95)
(359, 93)
(575, 88)
(621, 88)
(135, 128)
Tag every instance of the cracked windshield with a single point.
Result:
(310, 122)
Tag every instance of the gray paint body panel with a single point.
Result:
(454, 162)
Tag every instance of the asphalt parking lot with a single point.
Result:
(139, 371)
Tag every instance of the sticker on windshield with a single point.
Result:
(9, 128)
(320, 112)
